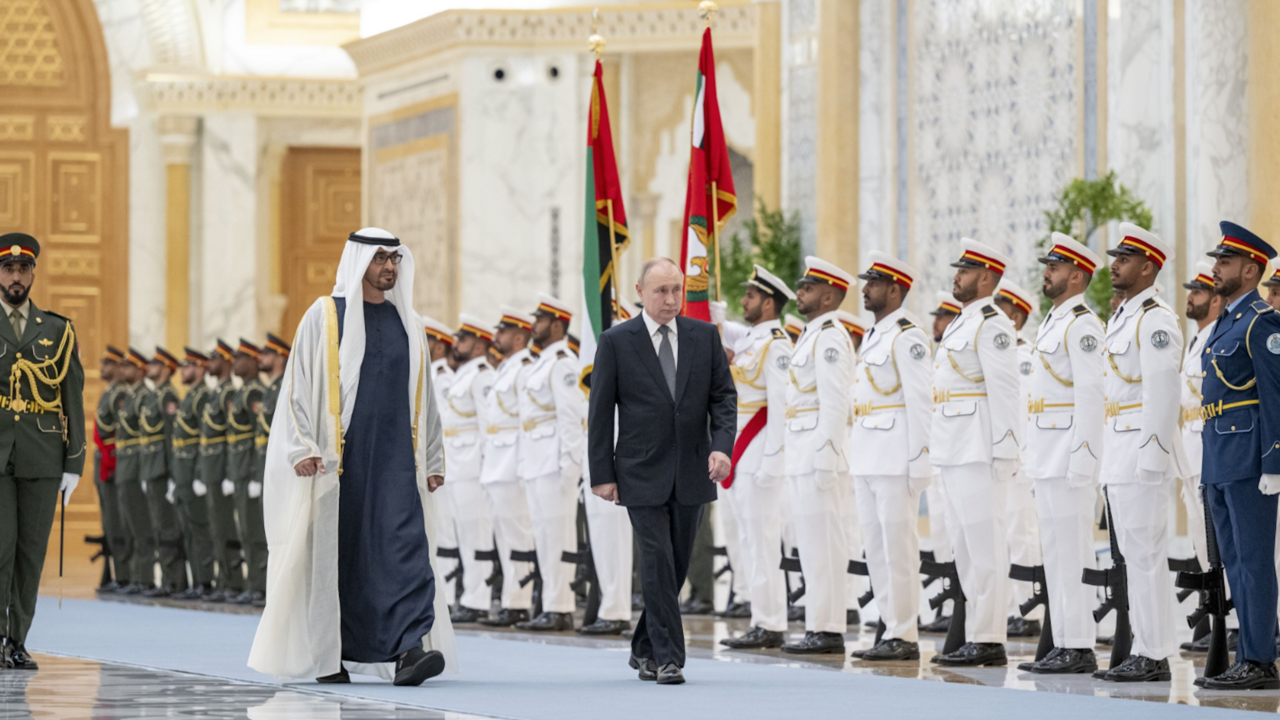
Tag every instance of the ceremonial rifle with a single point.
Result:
(1039, 596)
(1115, 582)
(950, 591)
(1214, 602)
(858, 567)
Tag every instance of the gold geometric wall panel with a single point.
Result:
(17, 127)
(29, 48)
(75, 197)
(16, 191)
(66, 128)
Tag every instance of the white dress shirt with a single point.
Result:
(656, 336)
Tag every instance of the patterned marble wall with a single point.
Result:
(877, 129)
(800, 116)
(994, 118)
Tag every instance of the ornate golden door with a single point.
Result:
(64, 179)
(320, 206)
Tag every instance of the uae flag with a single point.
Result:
(606, 224)
(710, 197)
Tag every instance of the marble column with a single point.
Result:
(877, 130)
(1263, 108)
(837, 105)
(228, 254)
(800, 117)
(177, 138)
(146, 236)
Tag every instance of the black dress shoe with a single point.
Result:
(1137, 668)
(852, 618)
(694, 606)
(109, 587)
(817, 643)
(339, 678)
(159, 591)
(6, 653)
(244, 598)
(1246, 675)
(938, 625)
(465, 615)
(1066, 661)
(22, 659)
(795, 613)
(134, 589)
(258, 598)
(1022, 627)
(735, 610)
(893, 649)
(195, 592)
(973, 654)
(417, 666)
(647, 668)
(506, 618)
(548, 622)
(670, 674)
(1197, 646)
(220, 595)
(604, 627)
(1030, 666)
(757, 638)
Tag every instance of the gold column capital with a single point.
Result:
(177, 137)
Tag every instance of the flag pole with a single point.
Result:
(707, 9)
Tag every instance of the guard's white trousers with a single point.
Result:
(475, 533)
(817, 506)
(1141, 514)
(446, 538)
(1066, 538)
(513, 530)
(728, 527)
(759, 507)
(976, 524)
(856, 584)
(609, 526)
(1193, 500)
(553, 506)
(936, 499)
(1023, 536)
(887, 508)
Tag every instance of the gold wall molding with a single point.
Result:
(629, 28)
(1263, 106)
(19, 128)
(30, 49)
(266, 23)
(66, 128)
(292, 97)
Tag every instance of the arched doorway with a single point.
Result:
(64, 178)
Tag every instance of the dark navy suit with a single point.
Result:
(1241, 364)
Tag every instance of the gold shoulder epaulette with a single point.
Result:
(1260, 306)
(828, 324)
(561, 354)
(988, 311)
(905, 324)
(1080, 310)
(778, 333)
(527, 361)
(1149, 304)
(441, 370)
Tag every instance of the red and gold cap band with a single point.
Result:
(1206, 279)
(224, 350)
(855, 329)
(17, 251)
(136, 358)
(1147, 249)
(1241, 246)
(897, 276)
(990, 263)
(481, 333)
(828, 278)
(1017, 301)
(555, 312)
(249, 349)
(442, 337)
(950, 307)
(1074, 257)
(515, 322)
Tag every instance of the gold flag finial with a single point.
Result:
(596, 41)
(707, 10)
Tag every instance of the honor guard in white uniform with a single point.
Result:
(946, 309)
(552, 437)
(465, 415)
(821, 371)
(1271, 286)
(1142, 447)
(856, 586)
(513, 528)
(757, 484)
(609, 528)
(889, 451)
(793, 325)
(440, 349)
(1203, 307)
(1022, 532)
(977, 424)
(1064, 450)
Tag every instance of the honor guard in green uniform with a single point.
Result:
(243, 406)
(104, 470)
(139, 552)
(189, 492)
(42, 442)
(213, 472)
(159, 403)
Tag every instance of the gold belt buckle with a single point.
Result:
(18, 405)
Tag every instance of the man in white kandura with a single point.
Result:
(757, 484)
(1142, 447)
(552, 440)
(353, 581)
(1064, 449)
(1021, 530)
(817, 469)
(891, 424)
(513, 528)
(977, 425)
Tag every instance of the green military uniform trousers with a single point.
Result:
(164, 519)
(222, 520)
(27, 508)
(114, 535)
(135, 515)
(193, 518)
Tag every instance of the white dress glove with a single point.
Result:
(199, 488)
(228, 488)
(1269, 484)
(143, 483)
(71, 480)
(255, 489)
(168, 494)
(718, 309)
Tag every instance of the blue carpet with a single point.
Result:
(533, 681)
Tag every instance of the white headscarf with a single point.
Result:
(356, 257)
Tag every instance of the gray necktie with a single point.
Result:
(667, 359)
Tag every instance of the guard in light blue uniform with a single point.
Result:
(1241, 470)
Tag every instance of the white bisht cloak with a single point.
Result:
(299, 635)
